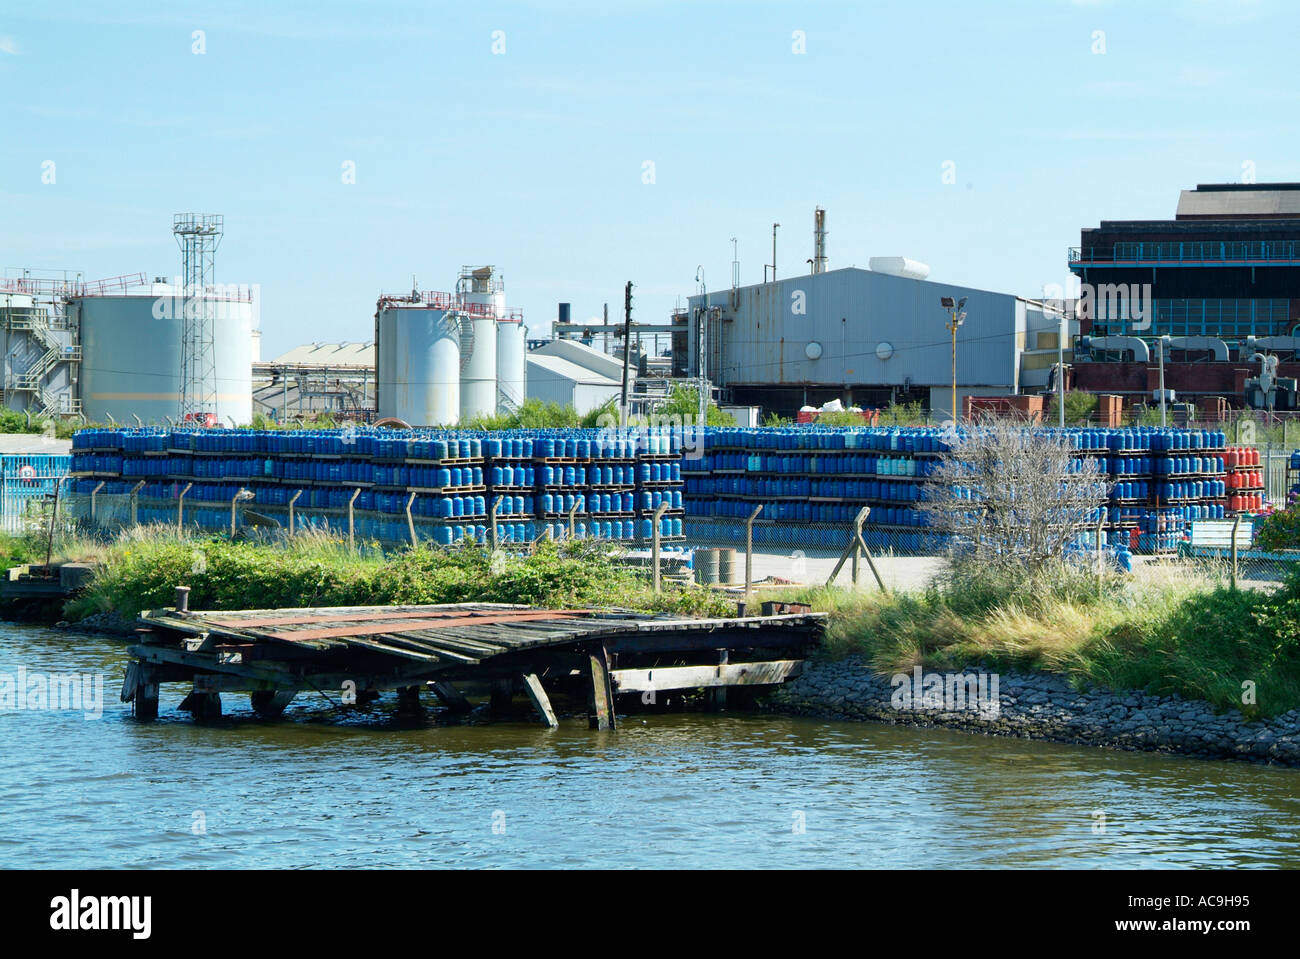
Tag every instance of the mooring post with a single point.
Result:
(182, 599)
(94, 514)
(180, 509)
(410, 521)
(492, 528)
(600, 714)
(654, 546)
(1236, 524)
(351, 520)
(749, 550)
(293, 500)
(135, 502)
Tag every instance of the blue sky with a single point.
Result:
(534, 159)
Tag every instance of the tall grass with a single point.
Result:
(141, 569)
(1183, 635)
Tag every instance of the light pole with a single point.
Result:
(1163, 341)
(700, 348)
(956, 312)
(774, 226)
(1060, 368)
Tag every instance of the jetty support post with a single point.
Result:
(180, 509)
(410, 521)
(501, 693)
(135, 503)
(352, 520)
(451, 697)
(600, 711)
(293, 500)
(654, 548)
(140, 689)
(541, 702)
(749, 550)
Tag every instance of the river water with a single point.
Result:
(708, 790)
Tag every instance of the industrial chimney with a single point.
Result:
(819, 240)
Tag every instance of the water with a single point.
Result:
(663, 791)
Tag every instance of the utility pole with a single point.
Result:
(627, 345)
(702, 348)
(1060, 368)
(956, 317)
(1162, 381)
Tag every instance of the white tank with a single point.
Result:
(418, 357)
(131, 356)
(478, 375)
(511, 359)
(899, 266)
(483, 295)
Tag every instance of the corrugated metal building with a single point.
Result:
(868, 338)
(573, 374)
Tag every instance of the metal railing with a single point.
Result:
(1283, 252)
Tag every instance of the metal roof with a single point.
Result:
(328, 354)
(570, 371)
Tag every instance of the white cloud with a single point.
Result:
(7, 45)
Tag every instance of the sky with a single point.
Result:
(579, 145)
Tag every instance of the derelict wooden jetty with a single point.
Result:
(351, 654)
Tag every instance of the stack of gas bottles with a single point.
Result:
(611, 482)
(807, 475)
(1245, 479)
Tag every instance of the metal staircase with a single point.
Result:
(33, 379)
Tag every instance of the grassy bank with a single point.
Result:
(142, 568)
(1188, 637)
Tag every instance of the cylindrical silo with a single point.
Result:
(483, 296)
(418, 356)
(511, 357)
(131, 356)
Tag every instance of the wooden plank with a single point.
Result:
(541, 702)
(413, 625)
(451, 697)
(660, 678)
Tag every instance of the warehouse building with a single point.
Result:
(573, 374)
(1217, 289)
(866, 338)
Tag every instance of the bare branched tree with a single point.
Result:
(1012, 493)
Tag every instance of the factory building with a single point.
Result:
(571, 373)
(316, 378)
(865, 337)
(1221, 281)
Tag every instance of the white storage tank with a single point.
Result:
(899, 266)
(512, 359)
(131, 355)
(483, 296)
(418, 359)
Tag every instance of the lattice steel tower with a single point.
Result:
(198, 235)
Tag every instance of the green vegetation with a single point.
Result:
(142, 568)
(904, 414)
(1080, 408)
(772, 419)
(533, 414)
(1281, 530)
(684, 401)
(1192, 638)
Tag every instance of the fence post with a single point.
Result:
(94, 514)
(180, 510)
(135, 502)
(654, 545)
(351, 520)
(234, 500)
(493, 521)
(410, 521)
(1101, 526)
(573, 529)
(857, 546)
(749, 550)
(1236, 524)
(852, 548)
(291, 502)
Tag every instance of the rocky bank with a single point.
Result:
(1046, 706)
